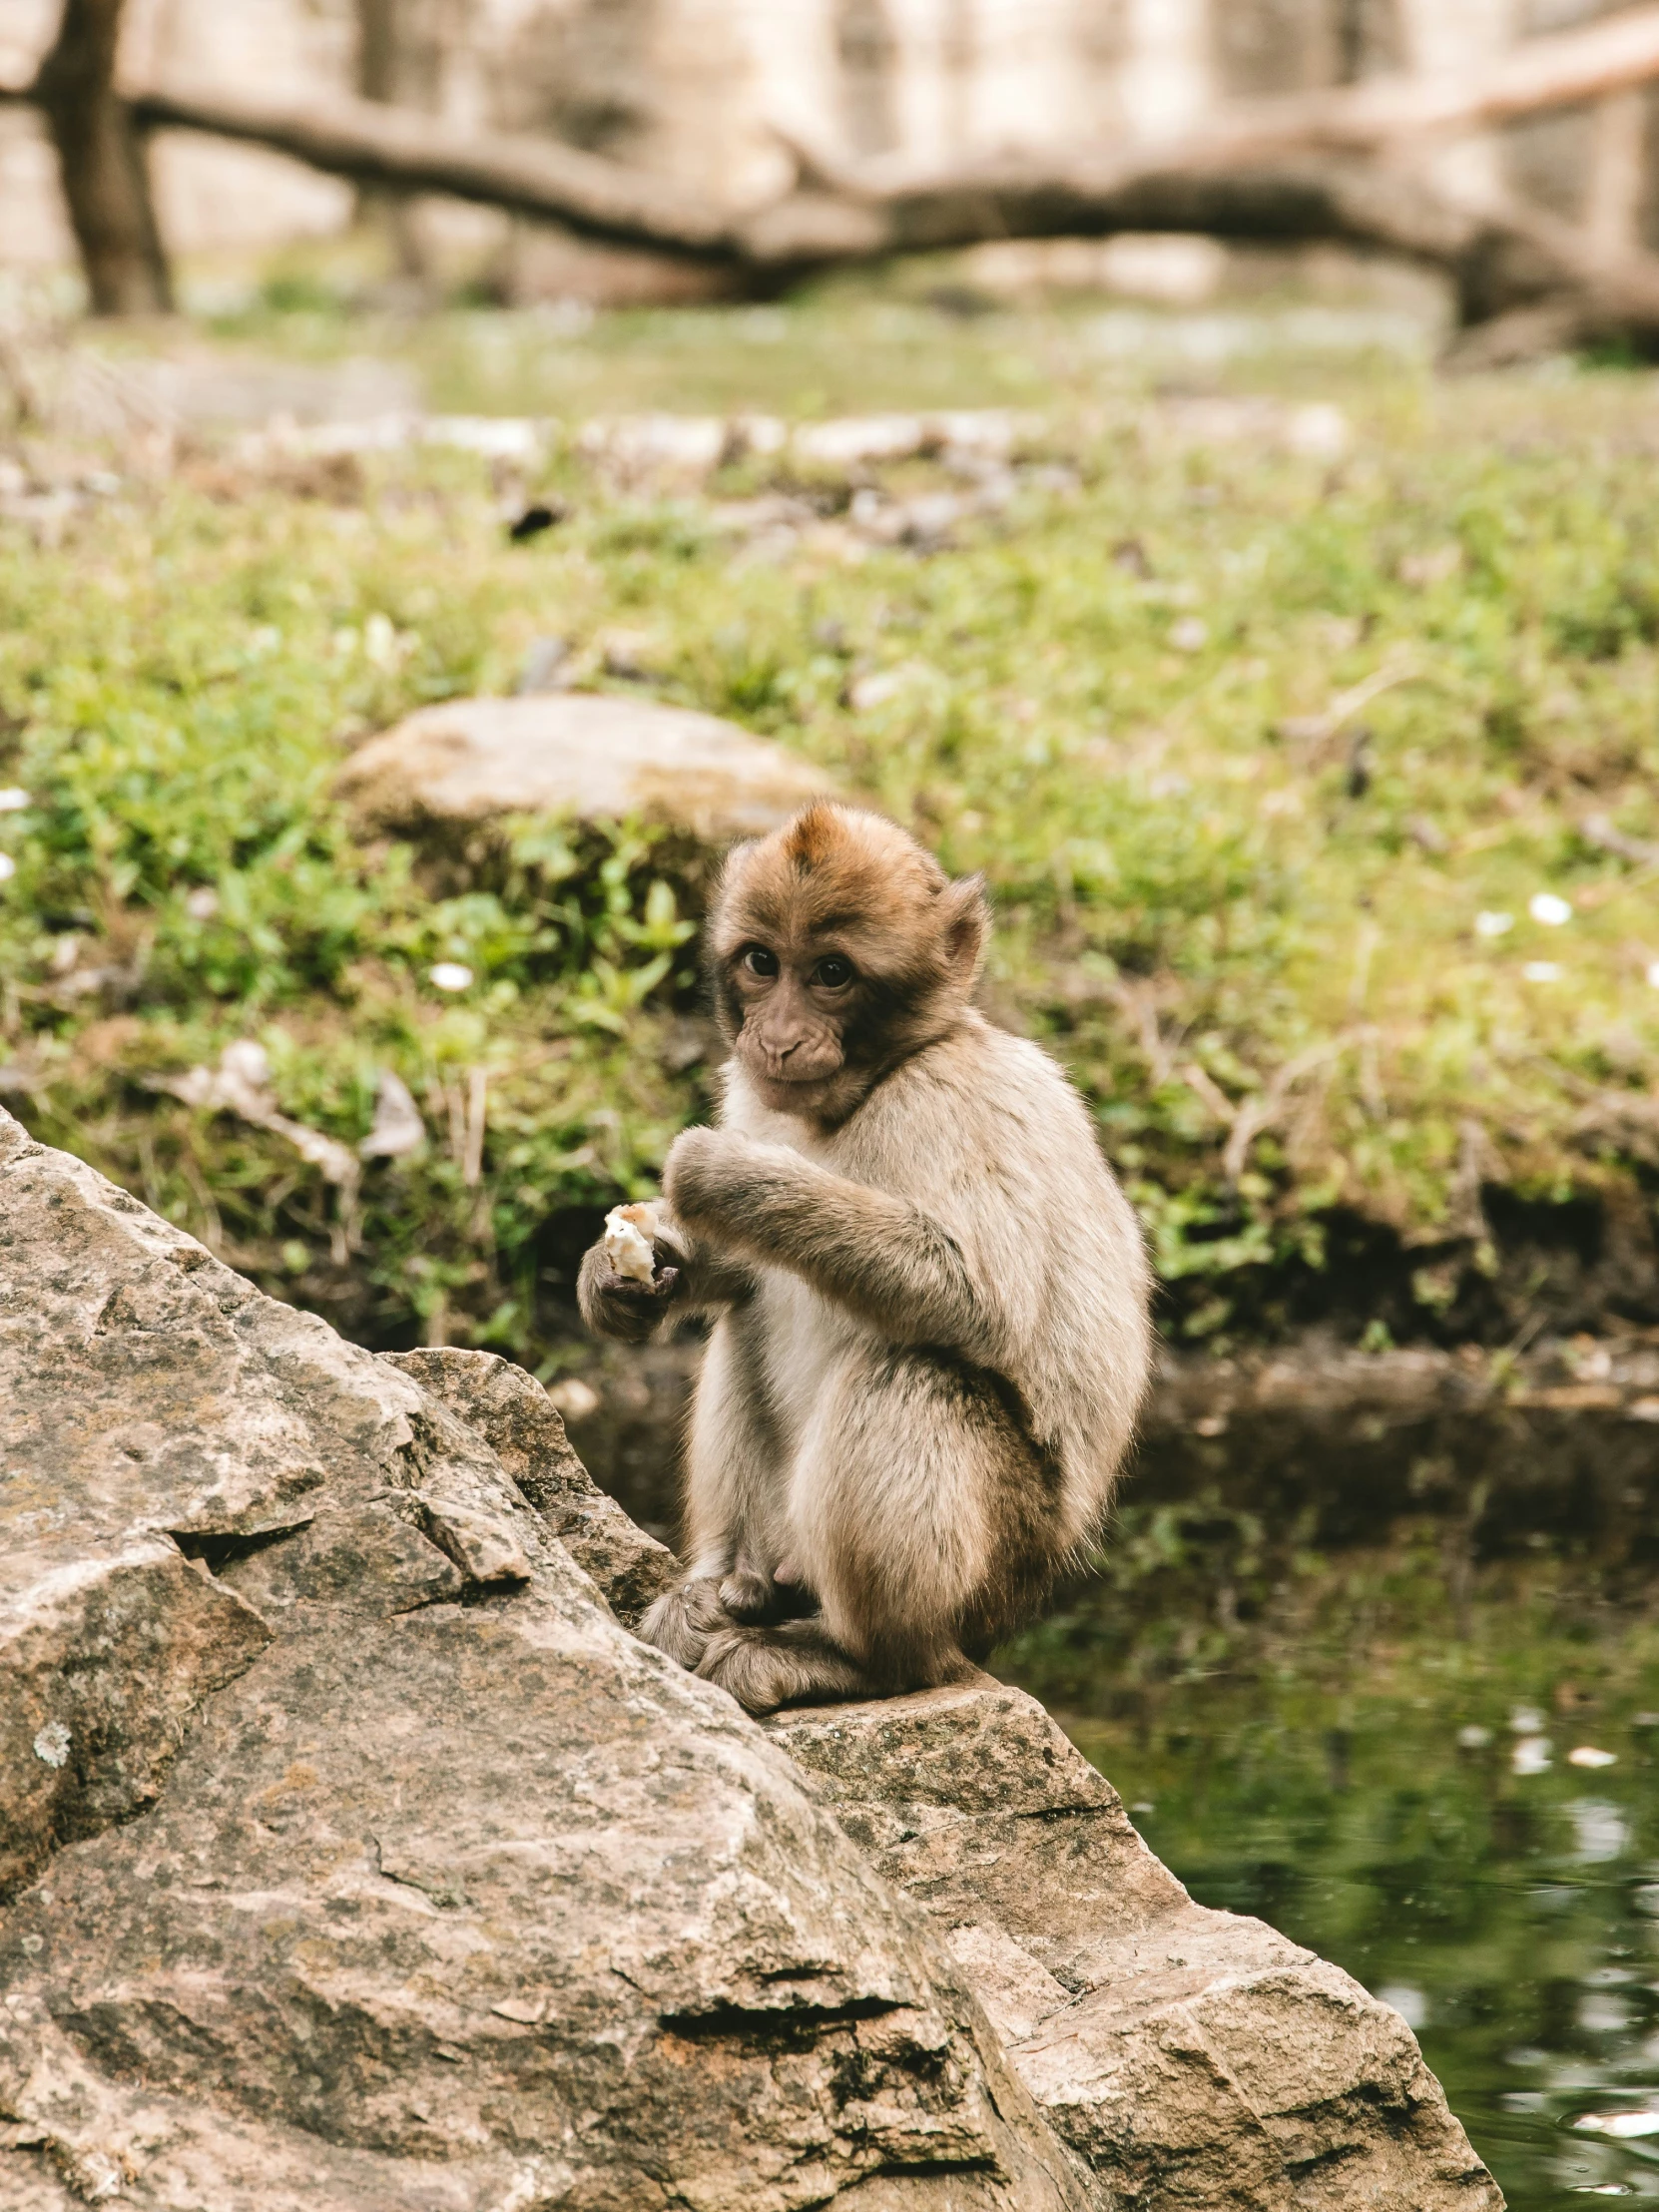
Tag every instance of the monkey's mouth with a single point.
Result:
(788, 1075)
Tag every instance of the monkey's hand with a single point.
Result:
(870, 1250)
(619, 1306)
(705, 1179)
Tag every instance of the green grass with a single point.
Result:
(1106, 701)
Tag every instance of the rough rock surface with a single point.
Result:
(1193, 2058)
(513, 1415)
(585, 757)
(353, 1854)
(357, 1856)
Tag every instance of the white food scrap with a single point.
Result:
(629, 1231)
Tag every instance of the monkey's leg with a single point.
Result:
(732, 1502)
(920, 1512)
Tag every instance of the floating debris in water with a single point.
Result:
(1411, 2003)
(1626, 2125)
(1586, 1755)
(1474, 1736)
(1532, 1755)
(1601, 1832)
(1527, 1720)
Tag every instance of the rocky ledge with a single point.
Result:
(353, 1853)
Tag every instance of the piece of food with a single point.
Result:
(629, 1235)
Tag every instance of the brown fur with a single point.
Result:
(932, 1297)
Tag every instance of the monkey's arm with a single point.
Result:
(687, 1281)
(881, 1257)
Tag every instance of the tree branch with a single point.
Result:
(374, 144)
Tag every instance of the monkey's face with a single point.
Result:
(838, 946)
(798, 1008)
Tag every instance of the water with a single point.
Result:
(1379, 1763)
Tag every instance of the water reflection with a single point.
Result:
(1415, 1807)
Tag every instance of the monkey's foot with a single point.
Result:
(768, 1667)
(748, 1595)
(683, 1620)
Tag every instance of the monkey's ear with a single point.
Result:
(966, 920)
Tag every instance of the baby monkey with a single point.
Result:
(931, 1332)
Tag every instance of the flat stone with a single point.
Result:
(579, 756)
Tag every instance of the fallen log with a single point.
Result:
(369, 143)
(1288, 170)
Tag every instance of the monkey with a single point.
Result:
(929, 1296)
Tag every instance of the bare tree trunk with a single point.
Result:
(106, 181)
(377, 79)
(377, 49)
(1613, 207)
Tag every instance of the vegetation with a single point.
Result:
(1245, 738)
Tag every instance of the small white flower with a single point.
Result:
(1586, 1755)
(202, 903)
(1551, 910)
(13, 800)
(1542, 972)
(449, 976)
(8, 867)
(1492, 926)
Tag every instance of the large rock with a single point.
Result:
(587, 758)
(352, 1852)
(1193, 2059)
(525, 1430)
(357, 1856)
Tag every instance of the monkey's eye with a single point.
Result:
(833, 972)
(760, 962)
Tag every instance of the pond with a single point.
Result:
(1443, 1777)
(1381, 1667)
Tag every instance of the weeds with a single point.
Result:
(1243, 910)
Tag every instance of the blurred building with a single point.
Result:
(711, 89)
